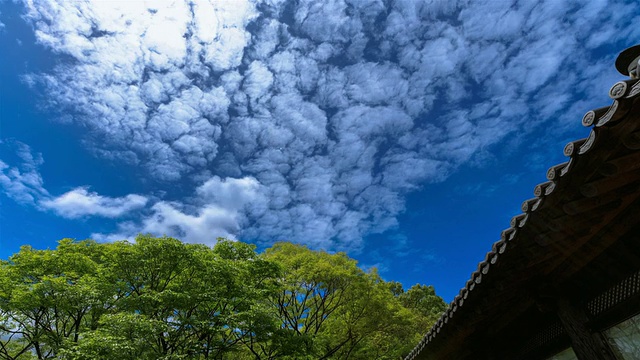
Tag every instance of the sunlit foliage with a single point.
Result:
(160, 298)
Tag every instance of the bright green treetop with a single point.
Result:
(159, 298)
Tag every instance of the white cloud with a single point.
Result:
(336, 109)
(23, 183)
(136, 63)
(217, 209)
(229, 193)
(80, 202)
(218, 215)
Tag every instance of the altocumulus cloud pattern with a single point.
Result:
(309, 120)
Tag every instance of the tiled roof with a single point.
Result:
(593, 187)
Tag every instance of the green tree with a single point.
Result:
(184, 299)
(159, 298)
(334, 309)
(50, 297)
(423, 301)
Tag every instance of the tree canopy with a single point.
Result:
(160, 298)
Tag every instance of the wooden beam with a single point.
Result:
(600, 242)
(570, 243)
(585, 205)
(625, 163)
(632, 140)
(586, 344)
(610, 183)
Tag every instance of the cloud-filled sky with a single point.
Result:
(406, 133)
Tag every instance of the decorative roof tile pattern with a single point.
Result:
(596, 187)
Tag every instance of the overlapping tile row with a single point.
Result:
(624, 94)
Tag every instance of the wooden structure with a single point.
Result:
(569, 266)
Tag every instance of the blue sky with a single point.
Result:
(405, 133)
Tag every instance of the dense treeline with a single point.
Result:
(159, 298)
